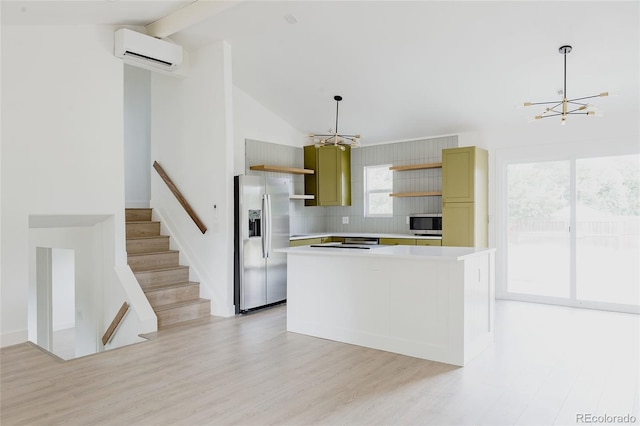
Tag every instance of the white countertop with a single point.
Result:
(365, 235)
(400, 251)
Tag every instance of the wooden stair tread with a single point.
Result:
(158, 287)
(168, 268)
(161, 308)
(153, 252)
(135, 222)
(147, 237)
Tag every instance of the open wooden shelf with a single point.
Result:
(279, 169)
(301, 197)
(416, 167)
(416, 194)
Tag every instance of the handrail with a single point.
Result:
(115, 323)
(183, 202)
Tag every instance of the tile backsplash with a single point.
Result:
(329, 219)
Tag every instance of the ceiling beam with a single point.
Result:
(188, 16)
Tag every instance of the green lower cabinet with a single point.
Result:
(334, 240)
(305, 242)
(434, 242)
(397, 241)
(458, 225)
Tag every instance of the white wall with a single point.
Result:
(251, 120)
(62, 145)
(63, 283)
(192, 139)
(137, 138)
(615, 134)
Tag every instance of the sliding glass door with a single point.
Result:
(607, 255)
(573, 230)
(538, 224)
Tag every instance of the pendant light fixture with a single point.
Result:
(566, 106)
(334, 137)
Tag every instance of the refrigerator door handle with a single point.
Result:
(268, 228)
(263, 226)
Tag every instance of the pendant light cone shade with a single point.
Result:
(334, 137)
(566, 106)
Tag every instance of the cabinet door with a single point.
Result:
(329, 170)
(458, 224)
(433, 242)
(458, 172)
(397, 241)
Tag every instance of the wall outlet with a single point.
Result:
(407, 220)
(345, 220)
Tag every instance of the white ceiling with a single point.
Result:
(405, 69)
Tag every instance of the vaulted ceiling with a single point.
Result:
(405, 69)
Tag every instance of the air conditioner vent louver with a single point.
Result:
(147, 58)
(147, 52)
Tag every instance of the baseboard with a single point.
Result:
(13, 338)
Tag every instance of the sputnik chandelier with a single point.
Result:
(566, 106)
(334, 137)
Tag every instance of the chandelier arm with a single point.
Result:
(586, 97)
(544, 103)
(552, 115)
(575, 112)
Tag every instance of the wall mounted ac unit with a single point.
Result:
(143, 50)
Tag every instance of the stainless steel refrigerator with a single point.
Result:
(261, 221)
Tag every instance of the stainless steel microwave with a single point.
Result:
(425, 224)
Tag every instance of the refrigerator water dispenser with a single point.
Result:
(254, 223)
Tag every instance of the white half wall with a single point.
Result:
(192, 139)
(62, 145)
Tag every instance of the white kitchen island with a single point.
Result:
(435, 303)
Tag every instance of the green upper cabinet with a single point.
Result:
(464, 174)
(331, 183)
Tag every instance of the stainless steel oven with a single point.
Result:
(425, 223)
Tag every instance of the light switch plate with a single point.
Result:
(407, 220)
(345, 220)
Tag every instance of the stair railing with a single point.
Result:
(183, 202)
(113, 327)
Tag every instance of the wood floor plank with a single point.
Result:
(249, 370)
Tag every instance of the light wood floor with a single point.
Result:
(548, 364)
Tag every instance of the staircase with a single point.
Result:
(164, 281)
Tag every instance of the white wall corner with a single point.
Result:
(11, 338)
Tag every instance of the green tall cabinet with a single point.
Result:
(331, 182)
(465, 215)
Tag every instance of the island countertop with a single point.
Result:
(399, 251)
(363, 235)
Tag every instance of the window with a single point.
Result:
(378, 184)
